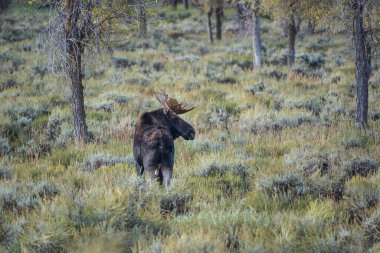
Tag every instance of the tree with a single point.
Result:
(218, 18)
(174, 3)
(252, 12)
(209, 24)
(292, 33)
(186, 4)
(4, 4)
(290, 11)
(358, 18)
(142, 19)
(362, 49)
(209, 7)
(79, 25)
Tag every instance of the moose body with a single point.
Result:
(153, 144)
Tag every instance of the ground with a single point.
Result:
(277, 164)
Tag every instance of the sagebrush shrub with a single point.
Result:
(372, 229)
(5, 148)
(98, 160)
(308, 160)
(289, 185)
(46, 189)
(361, 166)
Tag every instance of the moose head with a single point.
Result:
(153, 144)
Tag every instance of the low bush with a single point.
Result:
(33, 150)
(14, 200)
(312, 60)
(262, 125)
(5, 148)
(353, 142)
(138, 81)
(327, 187)
(361, 166)
(301, 71)
(278, 75)
(120, 99)
(220, 168)
(176, 204)
(361, 195)
(312, 105)
(308, 160)
(98, 160)
(46, 189)
(260, 87)
(288, 185)
(5, 174)
(372, 229)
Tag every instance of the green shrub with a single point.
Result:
(33, 150)
(204, 145)
(312, 105)
(8, 83)
(53, 127)
(120, 99)
(361, 166)
(361, 195)
(46, 189)
(312, 60)
(354, 142)
(5, 148)
(220, 168)
(288, 185)
(192, 86)
(308, 160)
(11, 199)
(306, 72)
(278, 75)
(272, 124)
(372, 229)
(175, 204)
(98, 160)
(260, 87)
(327, 187)
(16, 34)
(5, 174)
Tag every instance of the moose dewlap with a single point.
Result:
(153, 143)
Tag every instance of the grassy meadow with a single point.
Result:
(277, 164)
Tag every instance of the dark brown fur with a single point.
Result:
(153, 144)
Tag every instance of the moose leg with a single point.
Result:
(160, 176)
(167, 174)
(151, 174)
(139, 170)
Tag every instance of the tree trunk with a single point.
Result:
(74, 51)
(142, 19)
(209, 25)
(186, 4)
(292, 32)
(363, 64)
(218, 17)
(310, 26)
(256, 36)
(174, 4)
(240, 17)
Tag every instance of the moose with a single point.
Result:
(155, 132)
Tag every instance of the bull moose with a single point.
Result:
(155, 132)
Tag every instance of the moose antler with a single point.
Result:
(172, 104)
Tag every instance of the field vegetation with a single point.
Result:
(277, 164)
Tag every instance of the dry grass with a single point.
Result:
(270, 156)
